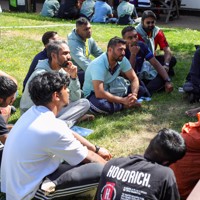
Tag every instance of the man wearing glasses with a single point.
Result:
(153, 36)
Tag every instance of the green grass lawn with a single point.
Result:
(122, 133)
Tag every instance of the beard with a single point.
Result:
(120, 58)
(64, 64)
(148, 29)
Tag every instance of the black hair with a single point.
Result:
(114, 41)
(81, 21)
(47, 35)
(167, 146)
(42, 86)
(147, 14)
(7, 87)
(127, 29)
(54, 47)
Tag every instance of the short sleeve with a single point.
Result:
(3, 128)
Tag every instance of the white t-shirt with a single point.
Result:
(35, 146)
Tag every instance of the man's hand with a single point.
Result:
(134, 49)
(71, 69)
(104, 153)
(130, 100)
(168, 87)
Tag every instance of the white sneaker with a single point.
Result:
(48, 186)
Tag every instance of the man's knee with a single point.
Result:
(87, 172)
(85, 103)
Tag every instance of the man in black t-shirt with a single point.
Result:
(144, 177)
(8, 88)
(69, 9)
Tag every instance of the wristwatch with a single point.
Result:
(97, 149)
(168, 80)
(167, 64)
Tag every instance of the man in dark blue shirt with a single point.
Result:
(47, 36)
(146, 66)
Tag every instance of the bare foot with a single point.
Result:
(192, 112)
(86, 117)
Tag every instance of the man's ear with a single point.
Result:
(53, 55)
(109, 49)
(1, 100)
(55, 97)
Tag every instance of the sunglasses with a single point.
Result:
(150, 22)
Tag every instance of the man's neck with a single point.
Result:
(84, 39)
(54, 66)
(52, 107)
(112, 62)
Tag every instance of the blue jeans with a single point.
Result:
(103, 106)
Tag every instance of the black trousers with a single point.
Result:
(71, 181)
(194, 73)
(172, 63)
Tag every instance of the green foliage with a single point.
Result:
(122, 133)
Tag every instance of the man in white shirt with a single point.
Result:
(39, 142)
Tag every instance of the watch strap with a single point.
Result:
(97, 148)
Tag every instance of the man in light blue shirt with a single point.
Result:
(102, 11)
(82, 46)
(50, 8)
(104, 88)
(125, 12)
(87, 9)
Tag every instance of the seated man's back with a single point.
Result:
(144, 177)
(102, 11)
(138, 178)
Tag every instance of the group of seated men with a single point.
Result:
(114, 80)
(99, 11)
(51, 164)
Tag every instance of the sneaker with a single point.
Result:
(48, 186)
(188, 87)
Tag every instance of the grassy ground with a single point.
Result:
(123, 133)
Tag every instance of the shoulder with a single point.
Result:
(160, 32)
(91, 40)
(41, 55)
(42, 65)
(124, 62)
(3, 128)
(72, 35)
(98, 64)
(142, 45)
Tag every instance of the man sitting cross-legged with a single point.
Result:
(82, 46)
(144, 177)
(155, 76)
(153, 36)
(104, 88)
(40, 145)
(59, 60)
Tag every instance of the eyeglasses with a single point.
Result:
(150, 22)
